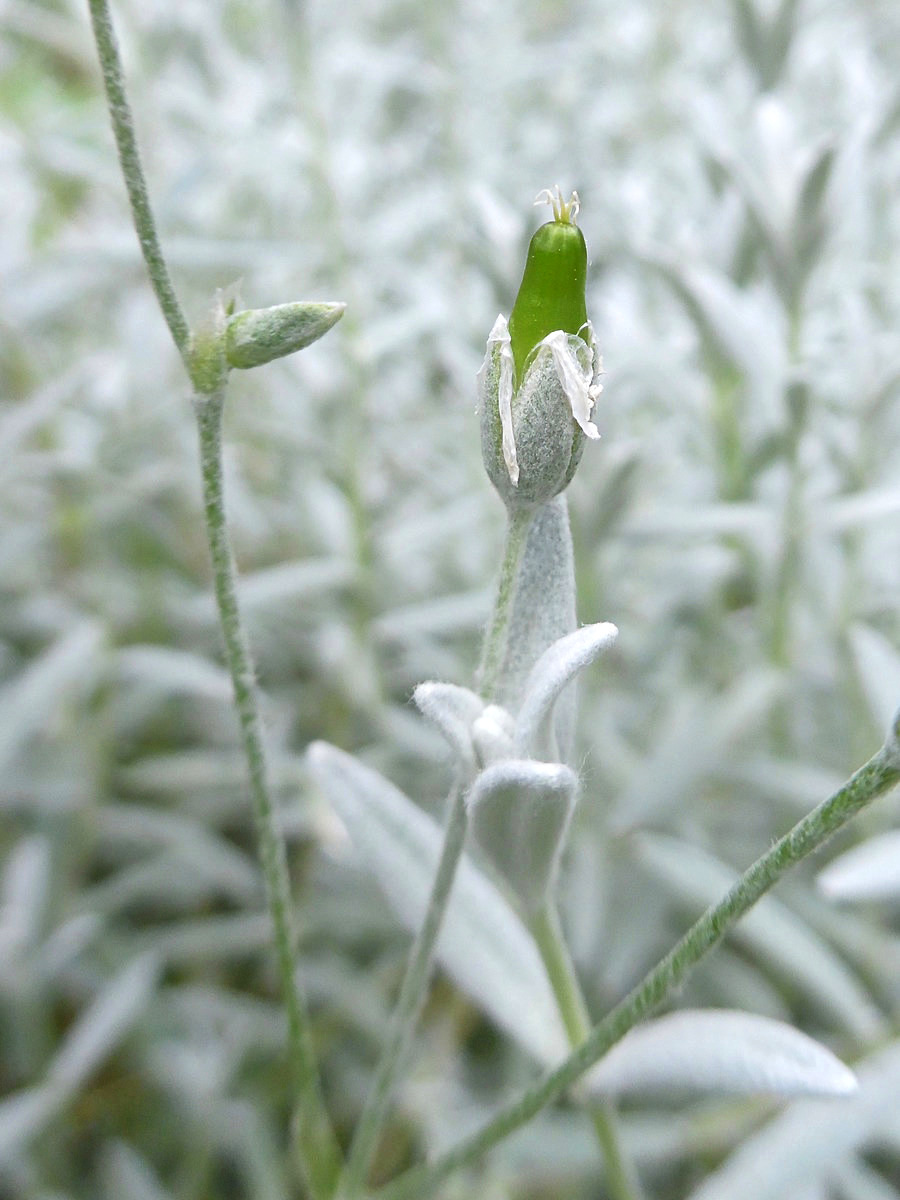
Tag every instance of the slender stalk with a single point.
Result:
(409, 1003)
(621, 1176)
(132, 171)
(418, 966)
(320, 1153)
(877, 776)
(494, 646)
(319, 1150)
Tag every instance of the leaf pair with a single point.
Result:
(520, 804)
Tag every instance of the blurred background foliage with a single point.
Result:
(738, 163)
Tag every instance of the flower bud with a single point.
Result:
(540, 377)
(259, 335)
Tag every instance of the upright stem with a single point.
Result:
(494, 646)
(132, 171)
(418, 966)
(319, 1149)
(409, 1003)
(621, 1176)
(879, 774)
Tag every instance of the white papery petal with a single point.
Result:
(577, 383)
(499, 336)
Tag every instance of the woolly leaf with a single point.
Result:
(557, 666)
(453, 710)
(544, 611)
(803, 1145)
(483, 946)
(720, 1051)
(870, 871)
(878, 666)
(27, 702)
(520, 813)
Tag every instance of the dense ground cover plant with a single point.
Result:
(738, 523)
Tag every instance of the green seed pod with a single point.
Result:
(551, 294)
(540, 377)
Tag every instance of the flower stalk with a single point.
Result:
(621, 1175)
(133, 174)
(421, 955)
(320, 1153)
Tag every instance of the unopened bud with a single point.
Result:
(541, 375)
(259, 335)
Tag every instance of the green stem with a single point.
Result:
(879, 774)
(418, 966)
(319, 1149)
(621, 1176)
(135, 183)
(409, 1003)
(494, 646)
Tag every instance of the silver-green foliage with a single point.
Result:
(738, 521)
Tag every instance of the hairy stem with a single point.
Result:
(494, 646)
(879, 774)
(409, 1003)
(319, 1150)
(621, 1176)
(418, 966)
(133, 174)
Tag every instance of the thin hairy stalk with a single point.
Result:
(495, 637)
(621, 1175)
(133, 173)
(409, 1003)
(418, 966)
(319, 1149)
(879, 774)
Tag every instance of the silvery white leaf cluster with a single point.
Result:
(739, 521)
(520, 803)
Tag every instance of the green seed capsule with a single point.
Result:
(551, 295)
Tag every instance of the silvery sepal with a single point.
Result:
(520, 812)
(533, 431)
(259, 335)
